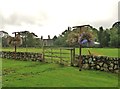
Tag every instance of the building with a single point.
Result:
(47, 42)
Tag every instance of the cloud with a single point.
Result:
(56, 14)
(104, 23)
(119, 10)
(1, 20)
(21, 19)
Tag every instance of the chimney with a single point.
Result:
(48, 36)
(41, 37)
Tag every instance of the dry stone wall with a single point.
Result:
(21, 55)
(103, 63)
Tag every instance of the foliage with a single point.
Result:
(3, 38)
(4, 42)
(29, 39)
(81, 33)
(106, 37)
(61, 39)
(109, 37)
(103, 37)
(114, 37)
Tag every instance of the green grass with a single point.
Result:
(111, 52)
(0, 73)
(37, 74)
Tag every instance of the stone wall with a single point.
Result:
(21, 55)
(103, 63)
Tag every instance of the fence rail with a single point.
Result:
(63, 55)
(56, 56)
(57, 52)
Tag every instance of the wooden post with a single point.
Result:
(15, 46)
(43, 53)
(80, 58)
(73, 55)
(71, 50)
(60, 57)
(25, 41)
(51, 55)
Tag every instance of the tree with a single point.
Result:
(24, 37)
(106, 38)
(3, 37)
(100, 36)
(81, 35)
(29, 39)
(95, 32)
(4, 42)
(14, 41)
(55, 37)
(61, 39)
(85, 30)
(38, 42)
(114, 37)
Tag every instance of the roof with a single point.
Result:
(4, 32)
(26, 32)
(20, 32)
(81, 26)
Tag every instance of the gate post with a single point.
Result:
(60, 56)
(15, 47)
(72, 56)
(43, 54)
(80, 58)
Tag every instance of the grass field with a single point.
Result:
(36, 74)
(0, 73)
(112, 52)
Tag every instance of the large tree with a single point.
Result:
(80, 35)
(100, 36)
(29, 39)
(84, 31)
(114, 35)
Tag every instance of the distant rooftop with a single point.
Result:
(81, 26)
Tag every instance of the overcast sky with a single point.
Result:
(51, 17)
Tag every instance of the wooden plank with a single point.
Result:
(56, 56)
(57, 52)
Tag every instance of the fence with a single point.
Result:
(102, 63)
(67, 56)
(64, 56)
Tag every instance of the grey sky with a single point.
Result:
(51, 17)
(119, 11)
